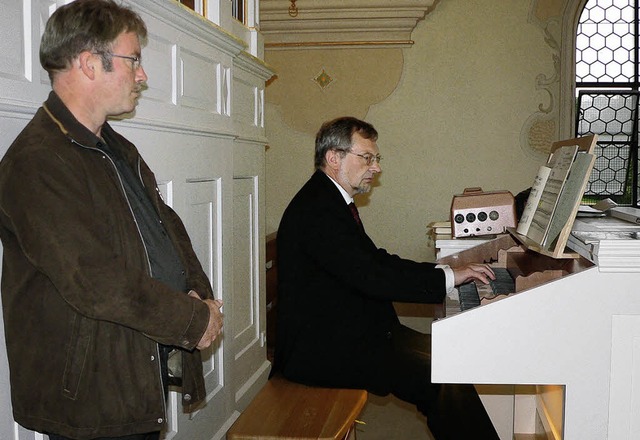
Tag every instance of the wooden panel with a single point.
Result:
(413, 310)
(166, 191)
(23, 83)
(246, 329)
(203, 224)
(159, 59)
(199, 76)
(15, 47)
(245, 259)
(624, 404)
(550, 410)
(244, 102)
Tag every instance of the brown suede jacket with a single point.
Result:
(82, 315)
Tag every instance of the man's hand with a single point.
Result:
(214, 328)
(473, 271)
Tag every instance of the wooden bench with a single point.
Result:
(287, 410)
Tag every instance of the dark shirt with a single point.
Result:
(164, 261)
(165, 264)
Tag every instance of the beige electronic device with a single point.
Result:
(476, 212)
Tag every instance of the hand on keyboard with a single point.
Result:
(473, 272)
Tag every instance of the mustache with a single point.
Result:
(140, 87)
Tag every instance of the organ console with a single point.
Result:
(568, 326)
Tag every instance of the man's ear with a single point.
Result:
(333, 159)
(88, 63)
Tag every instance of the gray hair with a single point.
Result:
(337, 135)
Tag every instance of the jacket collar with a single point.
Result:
(347, 198)
(66, 122)
(75, 131)
(330, 186)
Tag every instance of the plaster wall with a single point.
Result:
(451, 112)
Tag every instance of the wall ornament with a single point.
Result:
(293, 9)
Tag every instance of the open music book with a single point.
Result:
(556, 194)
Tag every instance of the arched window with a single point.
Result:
(607, 90)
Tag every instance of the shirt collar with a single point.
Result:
(347, 198)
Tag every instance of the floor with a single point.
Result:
(388, 418)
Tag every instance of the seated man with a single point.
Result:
(336, 323)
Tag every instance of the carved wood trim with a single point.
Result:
(341, 24)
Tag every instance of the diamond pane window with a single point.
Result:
(611, 115)
(607, 90)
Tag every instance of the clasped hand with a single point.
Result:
(214, 328)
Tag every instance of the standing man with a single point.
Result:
(336, 324)
(99, 278)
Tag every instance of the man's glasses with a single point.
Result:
(368, 158)
(136, 62)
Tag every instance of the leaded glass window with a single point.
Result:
(607, 88)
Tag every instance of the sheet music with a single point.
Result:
(533, 200)
(569, 198)
(560, 164)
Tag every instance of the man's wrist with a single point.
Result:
(449, 277)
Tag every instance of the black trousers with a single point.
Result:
(453, 411)
(148, 436)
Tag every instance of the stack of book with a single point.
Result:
(439, 228)
(626, 213)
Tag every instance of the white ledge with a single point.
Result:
(339, 23)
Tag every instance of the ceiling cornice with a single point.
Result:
(341, 23)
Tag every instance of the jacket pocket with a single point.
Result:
(77, 349)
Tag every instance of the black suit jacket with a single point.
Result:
(335, 293)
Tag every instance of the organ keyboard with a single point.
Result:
(471, 295)
(569, 326)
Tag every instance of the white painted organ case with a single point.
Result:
(571, 327)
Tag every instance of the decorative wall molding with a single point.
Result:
(542, 128)
(555, 119)
(336, 23)
(567, 100)
(253, 65)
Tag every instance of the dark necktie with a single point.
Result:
(354, 212)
